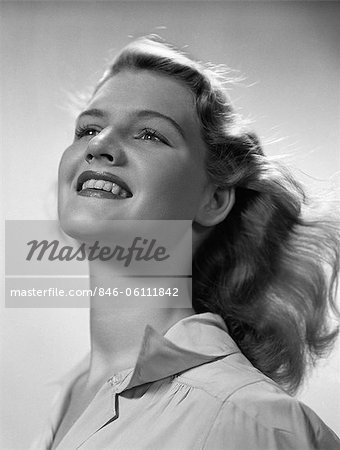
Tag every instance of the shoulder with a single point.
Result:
(268, 420)
(252, 408)
(223, 378)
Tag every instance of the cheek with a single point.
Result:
(66, 173)
(67, 166)
(181, 188)
(188, 178)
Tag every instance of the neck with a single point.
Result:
(117, 323)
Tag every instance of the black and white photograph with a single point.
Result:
(171, 225)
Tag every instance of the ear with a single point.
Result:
(215, 206)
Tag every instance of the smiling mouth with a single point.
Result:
(102, 185)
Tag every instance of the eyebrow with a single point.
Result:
(139, 114)
(92, 112)
(152, 113)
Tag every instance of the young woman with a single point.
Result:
(219, 373)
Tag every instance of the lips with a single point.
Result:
(102, 184)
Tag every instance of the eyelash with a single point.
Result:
(152, 133)
(82, 131)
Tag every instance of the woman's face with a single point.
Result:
(140, 132)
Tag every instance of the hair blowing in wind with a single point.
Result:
(267, 269)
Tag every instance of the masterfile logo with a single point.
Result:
(42, 262)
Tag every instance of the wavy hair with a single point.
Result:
(270, 272)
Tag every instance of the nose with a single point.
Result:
(105, 148)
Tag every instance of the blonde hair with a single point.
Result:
(266, 269)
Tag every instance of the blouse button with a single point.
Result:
(114, 380)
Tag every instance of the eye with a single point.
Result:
(88, 130)
(149, 134)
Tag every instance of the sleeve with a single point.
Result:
(269, 424)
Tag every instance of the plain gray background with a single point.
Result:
(289, 54)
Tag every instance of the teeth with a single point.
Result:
(106, 186)
(115, 189)
(99, 184)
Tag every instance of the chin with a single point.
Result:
(90, 229)
(78, 223)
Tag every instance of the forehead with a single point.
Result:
(131, 90)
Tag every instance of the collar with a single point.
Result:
(193, 341)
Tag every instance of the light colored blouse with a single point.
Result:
(190, 389)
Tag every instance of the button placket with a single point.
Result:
(114, 382)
